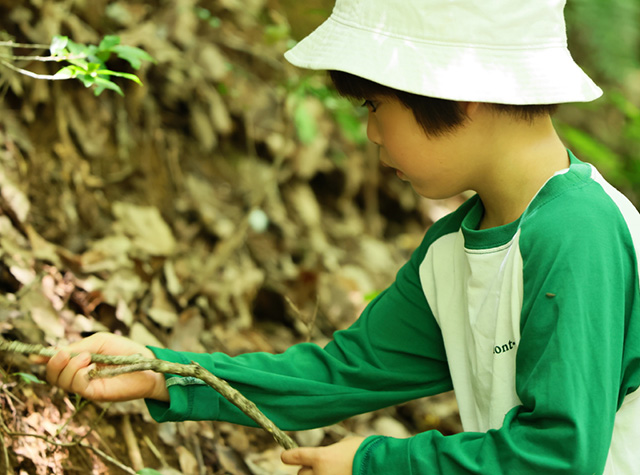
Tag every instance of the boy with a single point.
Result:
(525, 300)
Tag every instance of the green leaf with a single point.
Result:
(108, 42)
(59, 45)
(80, 64)
(102, 84)
(68, 72)
(86, 79)
(105, 48)
(77, 49)
(133, 55)
(351, 126)
(275, 33)
(603, 157)
(148, 471)
(29, 378)
(372, 295)
(93, 68)
(305, 124)
(215, 22)
(131, 77)
(202, 13)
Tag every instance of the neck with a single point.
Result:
(522, 158)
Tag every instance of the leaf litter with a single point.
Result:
(213, 209)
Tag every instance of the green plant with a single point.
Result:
(605, 36)
(86, 63)
(348, 116)
(208, 17)
(29, 378)
(148, 471)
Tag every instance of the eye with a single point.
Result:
(370, 105)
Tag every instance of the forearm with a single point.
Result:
(303, 388)
(392, 353)
(558, 448)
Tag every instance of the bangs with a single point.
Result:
(349, 85)
(435, 116)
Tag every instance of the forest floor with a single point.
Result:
(230, 204)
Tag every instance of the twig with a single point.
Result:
(130, 364)
(308, 322)
(154, 450)
(30, 73)
(5, 453)
(44, 59)
(76, 410)
(94, 422)
(196, 371)
(108, 458)
(197, 449)
(4, 428)
(47, 439)
(132, 444)
(23, 45)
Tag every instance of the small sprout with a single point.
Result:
(29, 378)
(549, 295)
(148, 471)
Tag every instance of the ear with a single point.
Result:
(469, 109)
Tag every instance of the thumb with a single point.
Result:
(39, 359)
(300, 456)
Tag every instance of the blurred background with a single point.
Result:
(231, 203)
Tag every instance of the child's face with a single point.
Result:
(435, 166)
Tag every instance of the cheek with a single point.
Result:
(401, 148)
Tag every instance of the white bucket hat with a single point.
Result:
(499, 51)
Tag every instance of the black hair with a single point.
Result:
(436, 116)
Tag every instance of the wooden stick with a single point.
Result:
(130, 364)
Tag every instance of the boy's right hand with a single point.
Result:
(71, 374)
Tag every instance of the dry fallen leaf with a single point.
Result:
(146, 227)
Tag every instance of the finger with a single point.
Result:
(82, 384)
(300, 456)
(56, 364)
(38, 359)
(68, 373)
(92, 344)
(305, 471)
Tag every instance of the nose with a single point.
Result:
(373, 133)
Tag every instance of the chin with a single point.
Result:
(436, 195)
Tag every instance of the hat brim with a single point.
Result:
(542, 75)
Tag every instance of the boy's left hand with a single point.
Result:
(336, 459)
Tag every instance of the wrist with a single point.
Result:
(160, 391)
(158, 386)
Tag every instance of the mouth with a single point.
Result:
(398, 172)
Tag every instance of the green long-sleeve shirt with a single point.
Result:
(535, 325)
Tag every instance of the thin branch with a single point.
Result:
(43, 59)
(94, 423)
(23, 45)
(4, 428)
(47, 439)
(129, 364)
(30, 73)
(5, 453)
(154, 450)
(108, 458)
(130, 441)
(51, 441)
